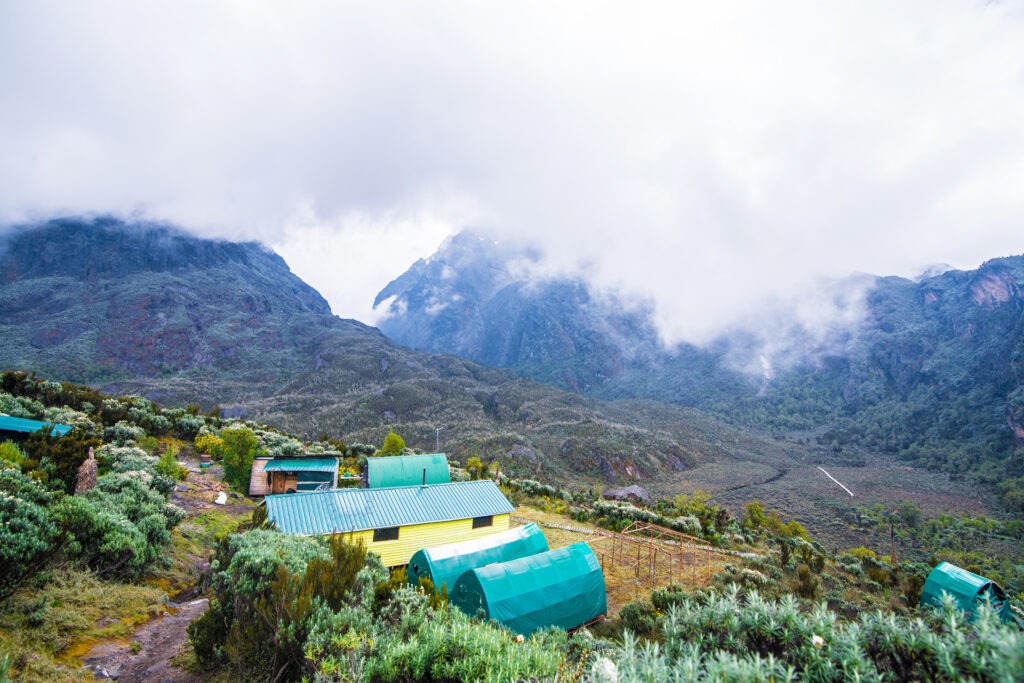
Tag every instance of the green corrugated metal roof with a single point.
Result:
(444, 564)
(562, 587)
(344, 510)
(21, 424)
(407, 470)
(302, 465)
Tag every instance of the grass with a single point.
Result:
(47, 630)
(623, 584)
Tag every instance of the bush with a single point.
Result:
(187, 426)
(118, 527)
(239, 450)
(123, 432)
(27, 534)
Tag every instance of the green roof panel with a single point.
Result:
(21, 424)
(407, 470)
(345, 510)
(302, 465)
(562, 587)
(443, 565)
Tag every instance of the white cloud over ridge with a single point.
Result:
(704, 156)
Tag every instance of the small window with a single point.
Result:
(483, 521)
(387, 534)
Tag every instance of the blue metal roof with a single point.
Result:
(302, 465)
(21, 424)
(345, 510)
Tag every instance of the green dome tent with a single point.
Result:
(562, 587)
(443, 565)
(968, 589)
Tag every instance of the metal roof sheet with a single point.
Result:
(345, 510)
(21, 424)
(407, 470)
(301, 465)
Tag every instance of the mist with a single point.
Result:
(713, 161)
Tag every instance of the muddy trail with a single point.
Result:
(148, 654)
(154, 645)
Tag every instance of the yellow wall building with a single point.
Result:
(396, 522)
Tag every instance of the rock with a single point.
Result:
(676, 464)
(222, 499)
(632, 493)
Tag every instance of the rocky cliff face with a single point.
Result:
(115, 300)
(481, 300)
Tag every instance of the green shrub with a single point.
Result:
(239, 450)
(118, 527)
(27, 533)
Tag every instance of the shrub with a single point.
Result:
(118, 527)
(10, 452)
(187, 426)
(27, 534)
(239, 450)
(123, 432)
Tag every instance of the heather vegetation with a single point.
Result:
(783, 605)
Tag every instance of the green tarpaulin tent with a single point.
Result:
(562, 587)
(969, 590)
(444, 564)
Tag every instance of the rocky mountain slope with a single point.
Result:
(149, 309)
(933, 371)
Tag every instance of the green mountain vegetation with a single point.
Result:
(82, 567)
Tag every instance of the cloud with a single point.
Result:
(704, 156)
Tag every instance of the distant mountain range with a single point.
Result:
(932, 372)
(147, 308)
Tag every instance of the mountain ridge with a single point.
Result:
(932, 365)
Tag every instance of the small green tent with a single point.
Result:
(562, 587)
(443, 565)
(407, 470)
(968, 589)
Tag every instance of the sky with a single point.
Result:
(703, 157)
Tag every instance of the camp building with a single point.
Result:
(289, 475)
(395, 522)
(407, 470)
(20, 426)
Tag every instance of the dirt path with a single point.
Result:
(160, 641)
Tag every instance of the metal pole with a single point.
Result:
(437, 438)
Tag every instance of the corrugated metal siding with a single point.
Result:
(346, 510)
(26, 426)
(302, 465)
(412, 539)
(407, 470)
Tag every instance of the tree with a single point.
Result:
(393, 444)
(475, 467)
(239, 449)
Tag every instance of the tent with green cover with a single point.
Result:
(968, 589)
(443, 565)
(562, 587)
